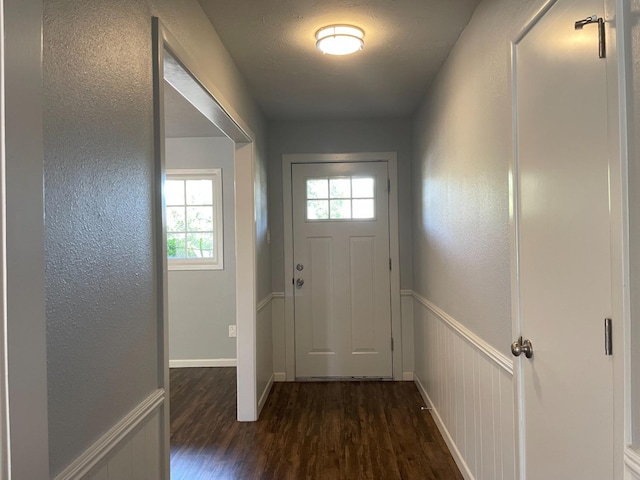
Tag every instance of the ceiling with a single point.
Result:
(182, 119)
(273, 44)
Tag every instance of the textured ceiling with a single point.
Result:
(181, 119)
(273, 45)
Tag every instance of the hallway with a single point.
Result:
(332, 430)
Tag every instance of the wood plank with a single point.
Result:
(337, 430)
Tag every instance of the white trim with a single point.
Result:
(632, 460)
(279, 377)
(394, 249)
(264, 302)
(278, 294)
(111, 440)
(203, 362)
(408, 376)
(453, 448)
(406, 293)
(490, 352)
(265, 394)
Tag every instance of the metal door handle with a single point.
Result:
(522, 346)
(299, 282)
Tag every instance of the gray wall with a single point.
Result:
(202, 303)
(461, 152)
(102, 332)
(342, 136)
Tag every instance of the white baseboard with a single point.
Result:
(203, 362)
(407, 376)
(111, 440)
(279, 377)
(453, 448)
(265, 395)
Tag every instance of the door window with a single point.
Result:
(340, 198)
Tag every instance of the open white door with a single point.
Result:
(562, 180)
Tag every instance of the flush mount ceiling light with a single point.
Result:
(339, 39)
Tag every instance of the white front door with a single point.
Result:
(564, 246)
(341, 267)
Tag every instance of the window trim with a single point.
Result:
(215, 175)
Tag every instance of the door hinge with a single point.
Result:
(608, 337)
(392, 344)
(389, 185)
(389, 264)
(602, 45)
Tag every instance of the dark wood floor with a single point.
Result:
(327, 430)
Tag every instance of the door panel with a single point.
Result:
(341, 243)
(564, 249)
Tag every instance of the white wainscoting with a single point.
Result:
(279, 348)
(129, 451)
(264, 350)
(469, 386)
(631, 464)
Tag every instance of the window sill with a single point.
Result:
(193, 266)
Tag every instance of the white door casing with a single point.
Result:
(563, 247)
(343, 308)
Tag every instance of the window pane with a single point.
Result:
(362, 188)
(200, 245)
(318, 210)
(363, 208)
(340, 187)
(174, 192)
(199, 192)
(176, 245)
(318, 188)
(199, 219)
(175, 219)
(340, 209)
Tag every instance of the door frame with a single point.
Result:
(618, 178)
(394, 249)
(211, 104)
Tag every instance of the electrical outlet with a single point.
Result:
(232, 331)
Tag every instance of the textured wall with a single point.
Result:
(100, 292)
(462, 147)
(202, 303)
(342, 136)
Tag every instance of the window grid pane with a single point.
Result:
(191, 218)
(340, 198)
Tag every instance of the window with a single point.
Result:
(340, 198)
(194, 219)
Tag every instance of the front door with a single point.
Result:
(341, 265)
(564, 245)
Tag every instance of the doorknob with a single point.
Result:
(522, 346)
(299, 282)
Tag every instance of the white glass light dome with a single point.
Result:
(339, 39)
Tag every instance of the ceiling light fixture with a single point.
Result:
(339, 39)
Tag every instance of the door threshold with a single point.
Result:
(344, 379)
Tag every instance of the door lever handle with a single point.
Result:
(522, 346)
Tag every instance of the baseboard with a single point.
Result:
(265, 395)
(112, 439)
(407, 376)
(279, 377)
(453, 448)
(203, 362)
